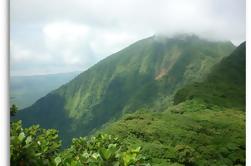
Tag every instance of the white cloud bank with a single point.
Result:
(66, 35)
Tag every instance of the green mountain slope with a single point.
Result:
(125, 81)
(225, 86)
(206, 129)
(26, 90)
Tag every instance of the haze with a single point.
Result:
(71, 35)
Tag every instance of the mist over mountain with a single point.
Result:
(146, 73)
(160, 83)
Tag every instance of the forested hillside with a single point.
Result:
(192, 113)
(205, 126)
(145, 74)
(224, 86)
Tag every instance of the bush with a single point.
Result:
(100, 150)
(185, 154)
(33, 145)
(37, 146)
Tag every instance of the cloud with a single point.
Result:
(72, 35)
(20, 54)
(64, 40)
(65, 30)
(105, 43)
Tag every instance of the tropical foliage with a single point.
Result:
(164, 119)
(37, 146)
(190, 133)
(145, 74)
(33, 145)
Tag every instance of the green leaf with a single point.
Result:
(112, 146)
(136, 150)
(28, 140)
(106, 154)
(57, 160)
(85, 155)
(21, 136)
(95, 155)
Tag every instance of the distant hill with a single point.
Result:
(145, 74)
(25, 90)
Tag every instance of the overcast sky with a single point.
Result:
(54, 36)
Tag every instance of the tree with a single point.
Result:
(13, 110)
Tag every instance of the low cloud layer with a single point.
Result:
(68, 35)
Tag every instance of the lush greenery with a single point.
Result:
(37, 146)
(203, 124)
(205, 127)
(33, 145)
(103, 150)
(224, 86)
(190, 133)
(145, 74)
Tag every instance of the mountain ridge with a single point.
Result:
(226, 82)
(125, 81)
(201, 128)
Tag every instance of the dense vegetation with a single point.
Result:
(145, 74)
(206, 126)
(33, 145)
(203, 124)
(187, 134)
(224, 86)
(36, 146)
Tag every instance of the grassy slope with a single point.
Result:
(125, 81)
(203, 130)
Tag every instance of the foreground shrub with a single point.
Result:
(36, 146)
